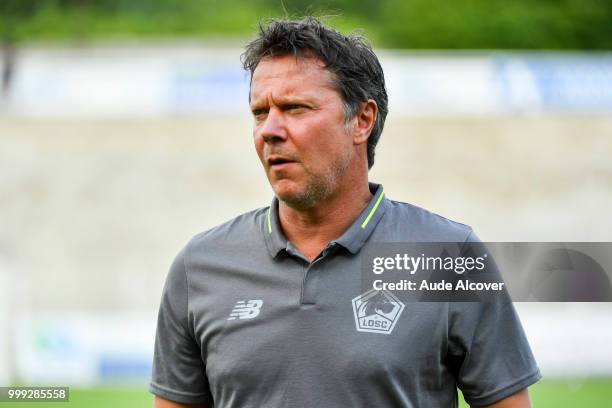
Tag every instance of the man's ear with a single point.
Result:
(365, 120)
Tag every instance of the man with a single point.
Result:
(261, 311)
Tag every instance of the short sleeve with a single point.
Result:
(488, 349)
(491, 352)
(179, 373)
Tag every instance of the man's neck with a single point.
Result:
(310, 230)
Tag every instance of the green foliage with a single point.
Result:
(416, 24)
(595, 392)
(519, 24)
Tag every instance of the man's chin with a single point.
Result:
(294, 197)
(298, 198)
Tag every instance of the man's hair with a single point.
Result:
(358, 74)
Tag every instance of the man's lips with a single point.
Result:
(278, 162)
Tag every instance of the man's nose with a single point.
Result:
(273, 129)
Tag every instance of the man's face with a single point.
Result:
(300, 132)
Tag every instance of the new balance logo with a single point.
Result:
(246, 309)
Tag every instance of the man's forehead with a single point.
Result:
(289, 69)
(299, 60)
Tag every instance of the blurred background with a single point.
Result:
(125, 130)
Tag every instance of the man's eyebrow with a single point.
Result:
(283, 100)
(294, 99)
(256, 102)
(302, 99)
(257, 106)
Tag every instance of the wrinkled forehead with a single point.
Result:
(293, 71)
(299, 58)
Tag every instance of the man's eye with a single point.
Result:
(295, 107)
(259, 112)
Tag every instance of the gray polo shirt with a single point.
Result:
(246, 321)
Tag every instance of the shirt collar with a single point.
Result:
(352, 239)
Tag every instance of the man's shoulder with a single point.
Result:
(416, 223)
(243, 228)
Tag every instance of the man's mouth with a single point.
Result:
(279, 161)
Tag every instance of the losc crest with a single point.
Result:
(376, 311)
